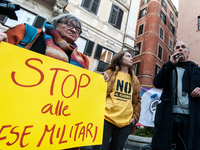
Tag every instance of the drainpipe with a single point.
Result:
(126, 26)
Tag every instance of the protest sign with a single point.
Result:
(47, 103)
(150, 98)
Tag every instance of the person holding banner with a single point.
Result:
(177, 116)
(57, 41)
(123, 102)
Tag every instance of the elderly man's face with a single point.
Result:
(182, 48)
(68, 30)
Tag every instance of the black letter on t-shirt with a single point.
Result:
(120, 85)
(127, 86)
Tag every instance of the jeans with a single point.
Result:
(114, 136)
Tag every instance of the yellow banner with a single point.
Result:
(46, 103)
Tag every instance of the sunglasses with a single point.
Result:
(72, 26)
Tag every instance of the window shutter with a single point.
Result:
(116, 16)
(89, 48)
(98, 52)
(86, 4)
(39, 21)
(102, 66)
(119, 19)
(113, 15)
(91, 5)
(95, 6)
(3, 18)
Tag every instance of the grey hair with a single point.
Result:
(184, 43)
(65, 17)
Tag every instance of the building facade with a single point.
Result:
(156, 34)
(189, 27)
(108, 25)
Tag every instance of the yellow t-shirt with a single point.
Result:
(119, 110)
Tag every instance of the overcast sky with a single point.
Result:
(175, 2)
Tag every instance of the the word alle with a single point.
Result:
(76, 132)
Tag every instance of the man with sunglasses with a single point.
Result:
(177, 119)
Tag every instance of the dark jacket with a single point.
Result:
(162, 138)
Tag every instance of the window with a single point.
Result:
(161, 33)
(198, 23)
(172, 17)
(170, 44)
(85, 46)
(140, 29)
(139, 47)
(160, 52)
(157, 69)
(81, 43)
(136, 68)
(116, 17)
(164, 5)
(143, 2)
(104, 56)
(142, 13)
(24, 17)
(172, 29)
(163, 17)
(91, 5)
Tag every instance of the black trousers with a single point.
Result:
(180, 131)
(114, 136)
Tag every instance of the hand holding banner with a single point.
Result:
(47, 103)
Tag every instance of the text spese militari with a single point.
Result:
(47, 103)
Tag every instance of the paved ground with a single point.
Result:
(126, 147)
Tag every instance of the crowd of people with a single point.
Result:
(177, 115)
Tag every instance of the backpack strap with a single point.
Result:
(29, 35)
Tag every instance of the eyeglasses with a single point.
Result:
(182, 46)
(72, 26)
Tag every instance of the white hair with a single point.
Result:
(183, 43)
(55, 21)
